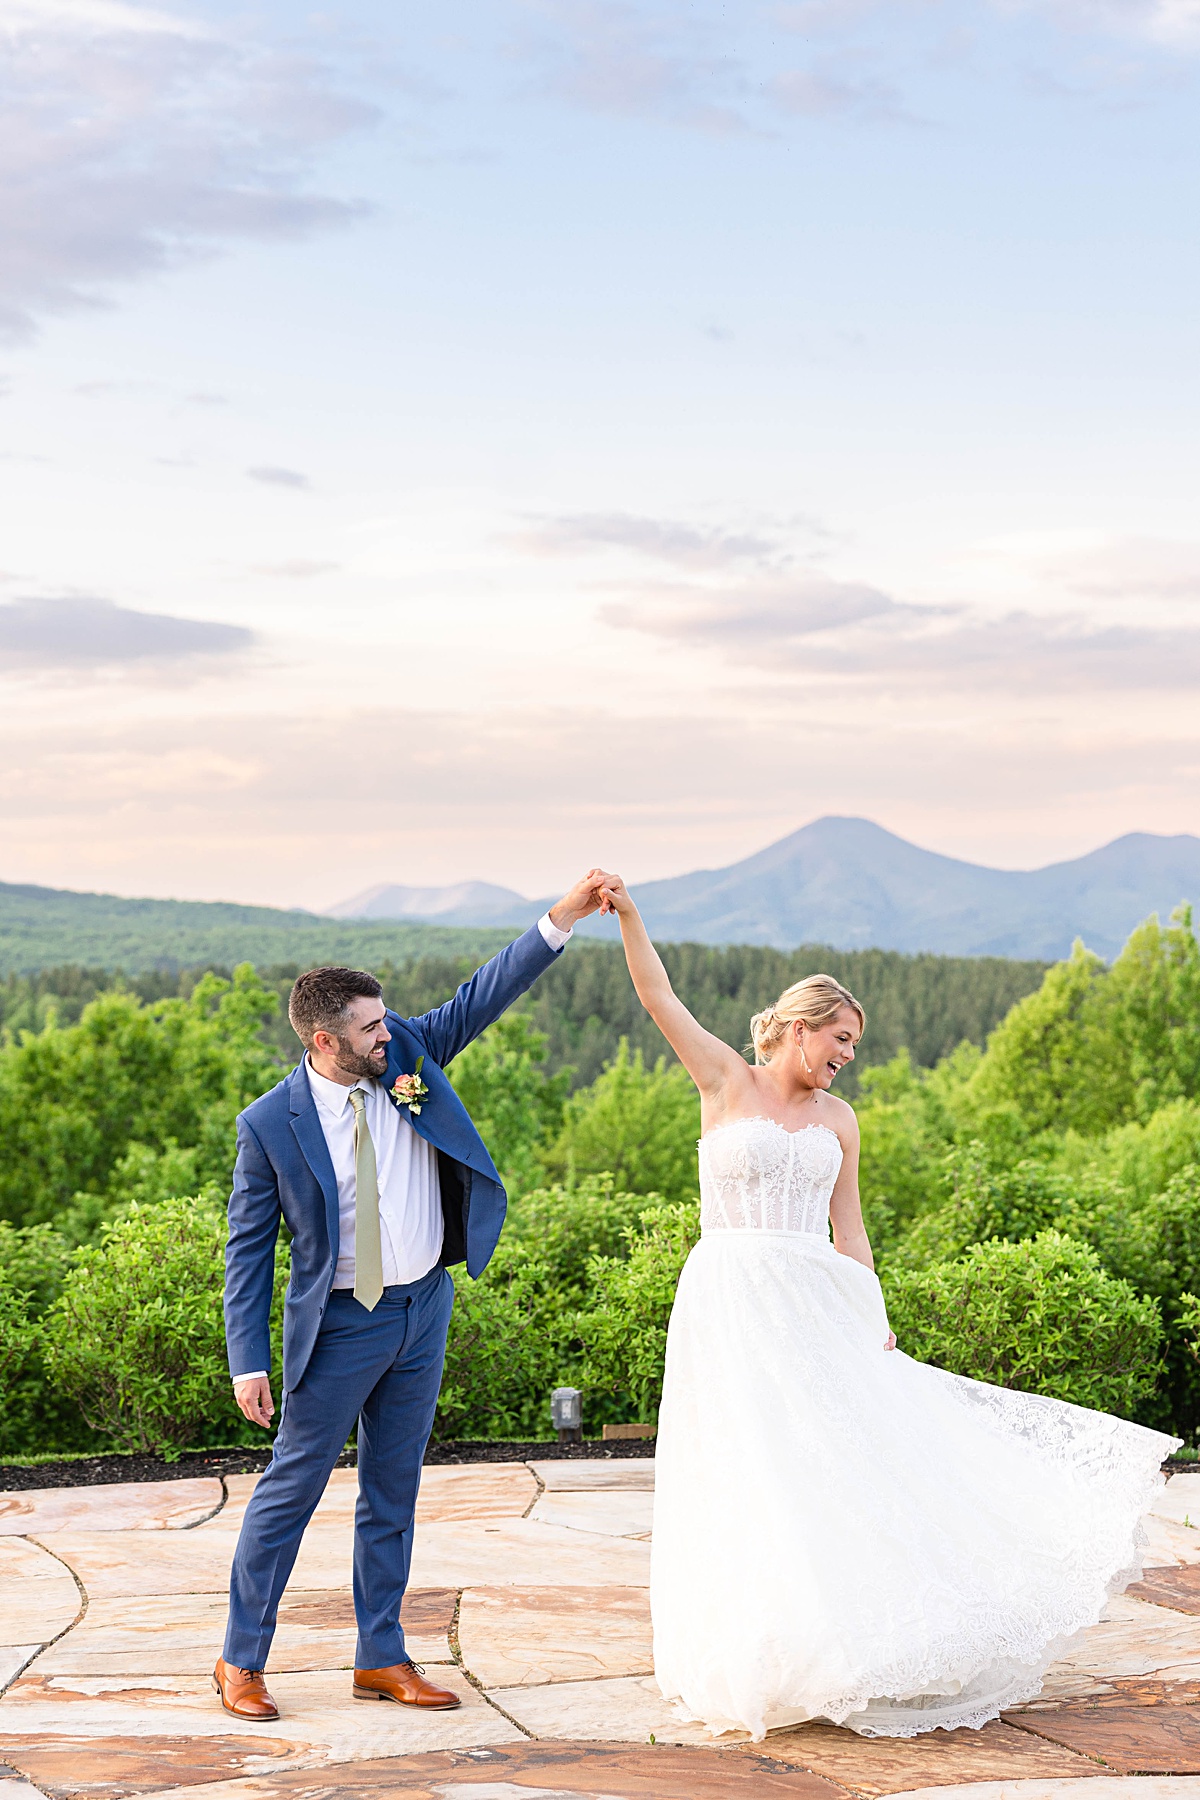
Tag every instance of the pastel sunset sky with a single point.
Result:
(477, 440)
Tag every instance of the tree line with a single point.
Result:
(585, 1005)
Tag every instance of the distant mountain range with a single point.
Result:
(851, 884)
(44, 927)
(470, 902)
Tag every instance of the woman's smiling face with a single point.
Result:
(823, 1050)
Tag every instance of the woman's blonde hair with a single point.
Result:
(816, 1000)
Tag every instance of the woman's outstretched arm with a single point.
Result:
(709, 1061)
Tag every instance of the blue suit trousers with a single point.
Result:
(384, 1368)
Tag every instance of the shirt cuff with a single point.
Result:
(555, 938)
(254, 1375)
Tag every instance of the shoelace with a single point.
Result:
(252, 1674)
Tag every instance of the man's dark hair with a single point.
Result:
(321, 996)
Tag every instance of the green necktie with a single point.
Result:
(368, 1255)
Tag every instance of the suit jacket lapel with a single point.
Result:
(430, 1122)
(306, 1128)
(402, 1060)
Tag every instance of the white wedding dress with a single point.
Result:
(840, 1532)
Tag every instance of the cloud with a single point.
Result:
(274, 477)
(724, 70)
(1058, 653)
(297, 569)
(1173, 24)
(766, 619)
(855, 631)
(87, 633)
(131, 139)
(101, 390)
(712, 70)
(825, 93)
(665, 540)
(615, 59)
(1130, 569)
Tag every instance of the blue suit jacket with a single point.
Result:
(284, 1170)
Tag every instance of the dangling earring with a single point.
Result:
(803, 1058)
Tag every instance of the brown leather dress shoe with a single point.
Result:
(403, 1682)
(243, 1692)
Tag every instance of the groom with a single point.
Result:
(367, 1154)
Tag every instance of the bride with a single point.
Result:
(840, 1532)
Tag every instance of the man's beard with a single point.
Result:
(350, 1064)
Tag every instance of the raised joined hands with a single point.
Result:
(581, 900)
(614, 896)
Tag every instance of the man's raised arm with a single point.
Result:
(492, 989)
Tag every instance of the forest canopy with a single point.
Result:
(585, 1004)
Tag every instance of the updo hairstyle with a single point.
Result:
(816, 1000)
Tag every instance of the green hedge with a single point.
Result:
(520, 1330)
(624, 1329)
(1041, 1315)
(130, 1351)
(136, 1337)
(35, 1413)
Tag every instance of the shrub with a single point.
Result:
(1042, 1315)
(1055, 1056)
(504, 1351)
(986, 1200)
(16, 1340)
(565, 1227)
(74, 1098)
(515, 1105)
(35, 1416)
(1155, 1246)
(640, 1125)
(1155, 1001)
(624, 1329)
(136, 1338)
(34, 1260)
(1141, 1158)
(903, 1146)
(1098, 1046)
(1189, 1319)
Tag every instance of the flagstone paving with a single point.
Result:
(530, 1599)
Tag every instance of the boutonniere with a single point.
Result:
(410, 1090)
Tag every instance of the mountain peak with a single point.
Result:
(853, 884)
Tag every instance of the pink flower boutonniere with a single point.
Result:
(410, 1090)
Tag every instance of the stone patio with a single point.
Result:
(529, 1598)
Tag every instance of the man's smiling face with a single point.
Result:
(359, 1046)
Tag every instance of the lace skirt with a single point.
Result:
(842, 1533)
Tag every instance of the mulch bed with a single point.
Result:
(91, 1471)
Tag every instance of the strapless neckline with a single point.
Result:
(762, 1119)
(756, 1175)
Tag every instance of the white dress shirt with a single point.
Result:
(410, 1199)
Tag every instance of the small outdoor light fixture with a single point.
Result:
(566, 1415)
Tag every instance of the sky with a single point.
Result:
(481, 441)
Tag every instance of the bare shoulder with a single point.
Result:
(842, 1118)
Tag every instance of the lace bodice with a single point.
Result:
(757, 1176)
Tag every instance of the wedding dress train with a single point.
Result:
(840, 1532)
